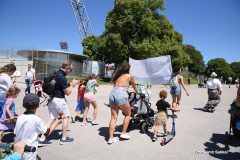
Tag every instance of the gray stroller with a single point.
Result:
(142, 114)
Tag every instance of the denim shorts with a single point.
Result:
(118, 96)
(175, 90)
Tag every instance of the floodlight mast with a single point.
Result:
(81, 17)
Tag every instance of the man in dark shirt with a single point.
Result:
(57, 107)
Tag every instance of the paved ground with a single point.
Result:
(200, 135)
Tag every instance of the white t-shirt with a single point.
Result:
(27, 129)
(30, 73)
(214, 83)
(5, 82)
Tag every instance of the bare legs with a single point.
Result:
(114, 115)
(113, 121)
(176, 101)
(95, 110)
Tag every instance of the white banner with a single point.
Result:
(152, 71)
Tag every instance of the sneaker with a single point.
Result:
(95, 123)
(154, 138)
(44, 143)
(125, 136)
(83, 124)
(67, 140)
(111, 141)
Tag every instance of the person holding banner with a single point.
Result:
(118, 100)
(176, 82)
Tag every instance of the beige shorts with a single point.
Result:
(57, 105)
(161, 118)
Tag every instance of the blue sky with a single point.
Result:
(212, 26)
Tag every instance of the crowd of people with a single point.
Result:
(28, 126)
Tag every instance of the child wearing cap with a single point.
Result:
(29, 126)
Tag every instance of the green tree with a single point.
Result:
(136, 29)
(235, 66)
(196, 64)
(221, 67)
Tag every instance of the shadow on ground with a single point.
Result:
(104, 131)
(203, 110)
(55, 135)
(218, 147)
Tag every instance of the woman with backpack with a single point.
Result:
(176, 82)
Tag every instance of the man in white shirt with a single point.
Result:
(214, 87)
(29, 78)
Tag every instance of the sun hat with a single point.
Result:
(213, 74)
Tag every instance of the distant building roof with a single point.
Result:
(27, 53)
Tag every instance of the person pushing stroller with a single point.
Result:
(161, 116)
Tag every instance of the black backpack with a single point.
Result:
(48, 85)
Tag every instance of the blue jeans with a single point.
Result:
(29, 84)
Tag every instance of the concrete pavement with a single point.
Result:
(199, 135)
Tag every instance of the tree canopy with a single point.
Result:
(235, 66)
(136, 29)
(196, 64)
(221, 67)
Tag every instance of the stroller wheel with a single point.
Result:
(144, 127)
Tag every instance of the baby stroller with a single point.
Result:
(142, 114)
(38, 87)
(234, 121)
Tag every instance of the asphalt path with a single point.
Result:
(199, 135)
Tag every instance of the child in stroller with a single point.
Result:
(38, 87)
(142, 114)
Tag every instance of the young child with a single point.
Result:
(80, 100)
(29, 126)
(89, 98)
(8, 111)
(161, 116)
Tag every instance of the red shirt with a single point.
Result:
(81, 91)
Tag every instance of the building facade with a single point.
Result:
(46, 61)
